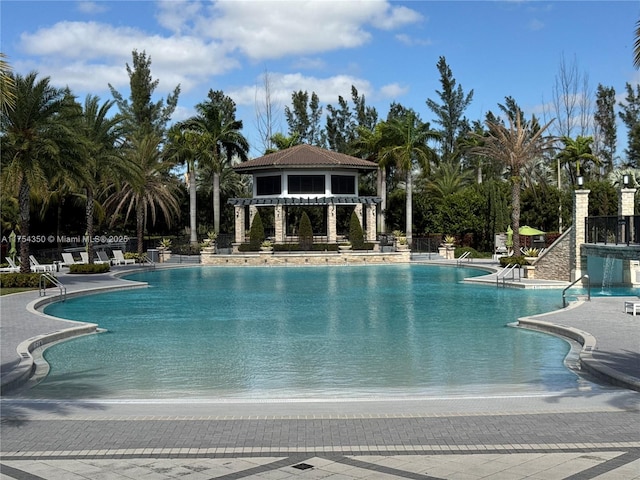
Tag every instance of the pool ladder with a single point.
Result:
(44, 277)
(509, 269)
(584, 277)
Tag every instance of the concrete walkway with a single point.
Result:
(593, 432)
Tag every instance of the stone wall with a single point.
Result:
(269, 258)
(555, 261)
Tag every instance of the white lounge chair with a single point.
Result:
(85, 258)
(118, 259)
(12, 268)
(632, 306)
(103, 257)
(67, 259)
(41, 267)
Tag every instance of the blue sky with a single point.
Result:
(388, 50)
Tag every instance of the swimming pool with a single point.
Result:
(306, 332)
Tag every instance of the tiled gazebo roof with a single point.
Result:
(304, 156)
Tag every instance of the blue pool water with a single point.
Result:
(309, 332)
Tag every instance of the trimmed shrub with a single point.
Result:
(89, 268)
(19, 280)
(256, 233)
(356, 235)
(517, 259)
(305, 233)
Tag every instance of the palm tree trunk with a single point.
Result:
(515, 212)
(216, 201)
(140, 225)
(192, 207)
(23, 195)
(409, 208)
(89, 219)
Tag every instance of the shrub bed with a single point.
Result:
(19, 280)
(89, 268)
(517, 259)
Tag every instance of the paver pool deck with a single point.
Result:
(593, 432)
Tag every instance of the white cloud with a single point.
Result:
(178, 15)
(393, 91)
(91, 8)
(184, 60)
(411, 41)
(283, 85)
(535, 25)
(266, 29)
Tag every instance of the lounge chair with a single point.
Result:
(85, 258)
(103, 257)
(67, 259)
(118, 259)
(41, 267)
(12, 268)
(633, 306)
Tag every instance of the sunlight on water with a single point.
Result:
(306, 332)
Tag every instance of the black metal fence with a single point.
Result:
(613, 230)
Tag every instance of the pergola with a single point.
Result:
(305, 175)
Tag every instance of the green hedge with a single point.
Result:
(517, 259)
(89, 268)
(19, 280)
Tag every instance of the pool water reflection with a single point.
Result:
(306, 332)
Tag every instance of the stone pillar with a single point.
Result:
(371, 234)
(279, 223)
(239, 224)
(578, 233)
(626, 201)
(252, 213)
(358, 210)
(626, 207)
(331, 223)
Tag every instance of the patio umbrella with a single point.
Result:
(527, 231)
(12, 242)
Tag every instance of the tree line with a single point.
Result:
(469, 178)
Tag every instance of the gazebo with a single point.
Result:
(301, 176)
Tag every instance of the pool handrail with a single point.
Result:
(42, 285)
(505, 271)
(583, 277)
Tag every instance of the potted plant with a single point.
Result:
(531, 255)
(344, 245)
(266, 246)
(449, 240)
(209, 243)
(164, 249)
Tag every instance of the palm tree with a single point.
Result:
(37, 140)
(368, 144)
(576, 151)
(405, 139)
(514, 147)
(153, 190)
(105, 164)
(636, 47)
(183, 147)
(7, 86)
(219, 141)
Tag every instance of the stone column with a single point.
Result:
(331, 223)
(578, 233)
(626, 207)
(358, 210)
(252, 213)
(371, 234)
(279, 223)
(626, 201)
(239, 224)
